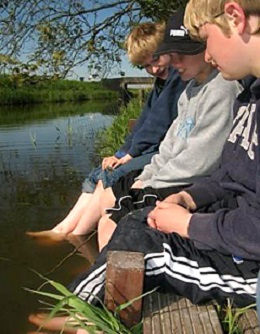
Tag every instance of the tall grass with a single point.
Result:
(94, 319)
(230, 316)
(84, 315)
(109, 140)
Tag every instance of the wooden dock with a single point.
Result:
(162, 313)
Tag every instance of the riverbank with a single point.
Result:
(110, 139)
(13, 92)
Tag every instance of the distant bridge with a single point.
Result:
(123, 82)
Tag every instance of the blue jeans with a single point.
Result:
(258, 297)
(109, 177)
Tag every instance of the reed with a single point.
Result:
(84, 315)
(229, 315)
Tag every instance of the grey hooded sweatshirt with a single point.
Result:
(193, 144)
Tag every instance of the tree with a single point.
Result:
(55, 36)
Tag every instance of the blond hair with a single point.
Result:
(143, 41)
(199, 12)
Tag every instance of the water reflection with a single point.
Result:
(43, 161)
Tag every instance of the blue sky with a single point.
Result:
(126, 65)
(82, 71)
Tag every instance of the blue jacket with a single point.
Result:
(158, 113)
(235, 228)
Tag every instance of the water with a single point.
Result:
(45, 153)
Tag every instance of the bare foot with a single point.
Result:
(64, 324)
(42, 320)
(46, 234)
(37, 332)
(47, 237)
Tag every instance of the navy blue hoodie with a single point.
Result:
(158, 113)
(235, 228)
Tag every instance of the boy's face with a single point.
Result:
(190, 66)
(229, 52)
(157, 67)
(224, 52)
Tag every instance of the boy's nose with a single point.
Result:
(155, 69)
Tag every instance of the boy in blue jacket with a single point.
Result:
(160, 109)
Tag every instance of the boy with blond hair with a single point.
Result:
(143, 41)
(143, 142)
(232, 32)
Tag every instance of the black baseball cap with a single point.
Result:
(177, 38)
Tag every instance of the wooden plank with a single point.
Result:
(164, 314)
(248, 322)
(209, 319)
(124, 282)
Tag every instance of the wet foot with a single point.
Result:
(43, 321)
(47, 237)
(55, 324)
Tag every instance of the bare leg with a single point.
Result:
(86, 245)
(94, 210)
(84, 216)
(106, 228)
(68, 224)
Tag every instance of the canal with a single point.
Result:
(45, 153)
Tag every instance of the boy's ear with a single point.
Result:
(236, 16)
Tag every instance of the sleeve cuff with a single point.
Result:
(120, 154)
(200, 232)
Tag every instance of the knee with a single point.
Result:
(102, 223)
(100, 185)
(108, 199)
(106, 228)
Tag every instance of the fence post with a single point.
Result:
(124, 282)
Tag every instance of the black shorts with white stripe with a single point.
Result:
(173, 264)
(129, 199)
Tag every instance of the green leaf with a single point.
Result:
(130, 302)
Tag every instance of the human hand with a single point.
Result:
(137, 184)
(109, 162)
(169, 218)
(182, 198)
(123, 160)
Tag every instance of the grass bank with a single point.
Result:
(110, 139)
(29, 92)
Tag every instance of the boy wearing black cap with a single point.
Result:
(193, 143)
